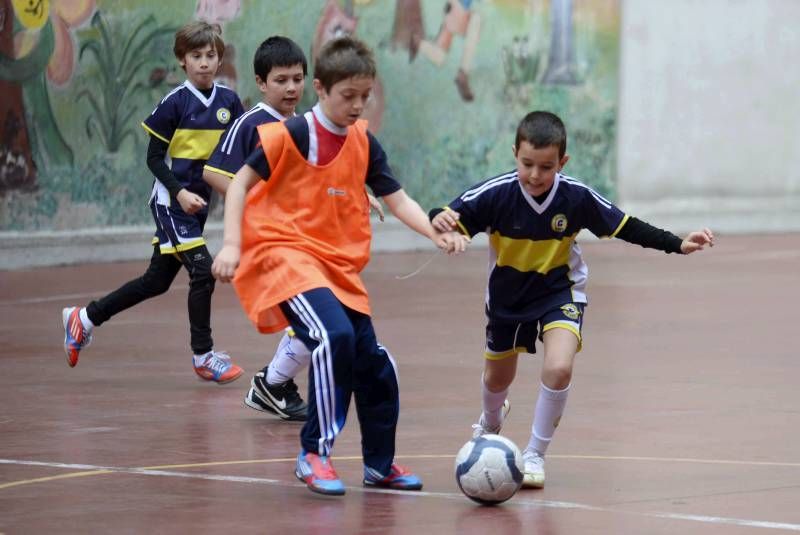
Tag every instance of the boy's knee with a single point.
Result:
(156, 283)
(342, 337)
(199, 264)
(557, 377)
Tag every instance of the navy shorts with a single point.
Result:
(506, 339)
(177, 231)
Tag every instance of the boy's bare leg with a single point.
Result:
(560, 347)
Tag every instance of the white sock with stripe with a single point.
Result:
(549, 408)
(291, 356)
(492, 406)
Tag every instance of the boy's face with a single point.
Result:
(201, 66)
(283, 88)
(346, 100)
(537, 168)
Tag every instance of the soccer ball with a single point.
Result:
(489, 469)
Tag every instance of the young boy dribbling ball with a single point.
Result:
(537, 279)
(184, 129)
(280, 69)
(297, 243)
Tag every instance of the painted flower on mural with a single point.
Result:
(64, 15)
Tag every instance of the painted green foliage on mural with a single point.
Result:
(438, 143)
(120, 63)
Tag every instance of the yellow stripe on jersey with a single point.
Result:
(525, 255)
(154, 133)
(220, 171)
(619, 227)
(193, 144)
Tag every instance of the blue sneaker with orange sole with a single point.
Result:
(216, 366)
(317, 472)
(399, 478)
(76, 336)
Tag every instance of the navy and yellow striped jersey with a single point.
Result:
(535, 262)
(191, 124)
(240, 139)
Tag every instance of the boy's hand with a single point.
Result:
(375, 206)
(225, 263)
(446, 220)
(696, 241)
(190, 202)
(451, 242)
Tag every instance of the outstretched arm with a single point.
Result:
(642, 233)
(227, 260)
(409, 212)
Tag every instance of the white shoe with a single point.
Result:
(534, 469)
(479, 429)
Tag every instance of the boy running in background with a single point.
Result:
(297, 244)
(280, 70)
(184, 129)
(537, 277)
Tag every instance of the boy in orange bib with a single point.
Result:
(297, 235)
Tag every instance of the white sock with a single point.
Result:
(87, 323)
(492, 405)
(549, 408)
(291, 356)
(200, 359)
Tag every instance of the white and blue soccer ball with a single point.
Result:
(489, 469)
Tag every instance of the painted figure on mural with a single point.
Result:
(17, 170)
(459, 18)
(218, 12)
(338, 21)
(36, 51)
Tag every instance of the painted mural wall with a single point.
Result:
(455, 76)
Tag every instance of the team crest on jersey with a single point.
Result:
(223, 115)
(571, 311)
(559, 223)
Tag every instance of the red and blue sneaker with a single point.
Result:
(317, 473)
(76, 336)
(399, 478)
(216, 366)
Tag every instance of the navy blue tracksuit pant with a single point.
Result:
(345, 359)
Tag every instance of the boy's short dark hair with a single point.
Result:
(342, 58)
(198, 34)
(277, 51)
(542, 129)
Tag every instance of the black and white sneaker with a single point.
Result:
(281, 400)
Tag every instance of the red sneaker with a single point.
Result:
(217, 367)
(76, 337)
(318, 474)
(399, 478)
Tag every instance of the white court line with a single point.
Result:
(69, 297)
(441, 495)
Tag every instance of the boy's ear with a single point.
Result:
(514, 150)
(318, 88)
(260, 83)
(563, 162)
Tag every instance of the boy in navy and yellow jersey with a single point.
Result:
(280, 69)
(297, 243)
(537, 278)
(184, 129)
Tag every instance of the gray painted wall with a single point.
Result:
(709, 120)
